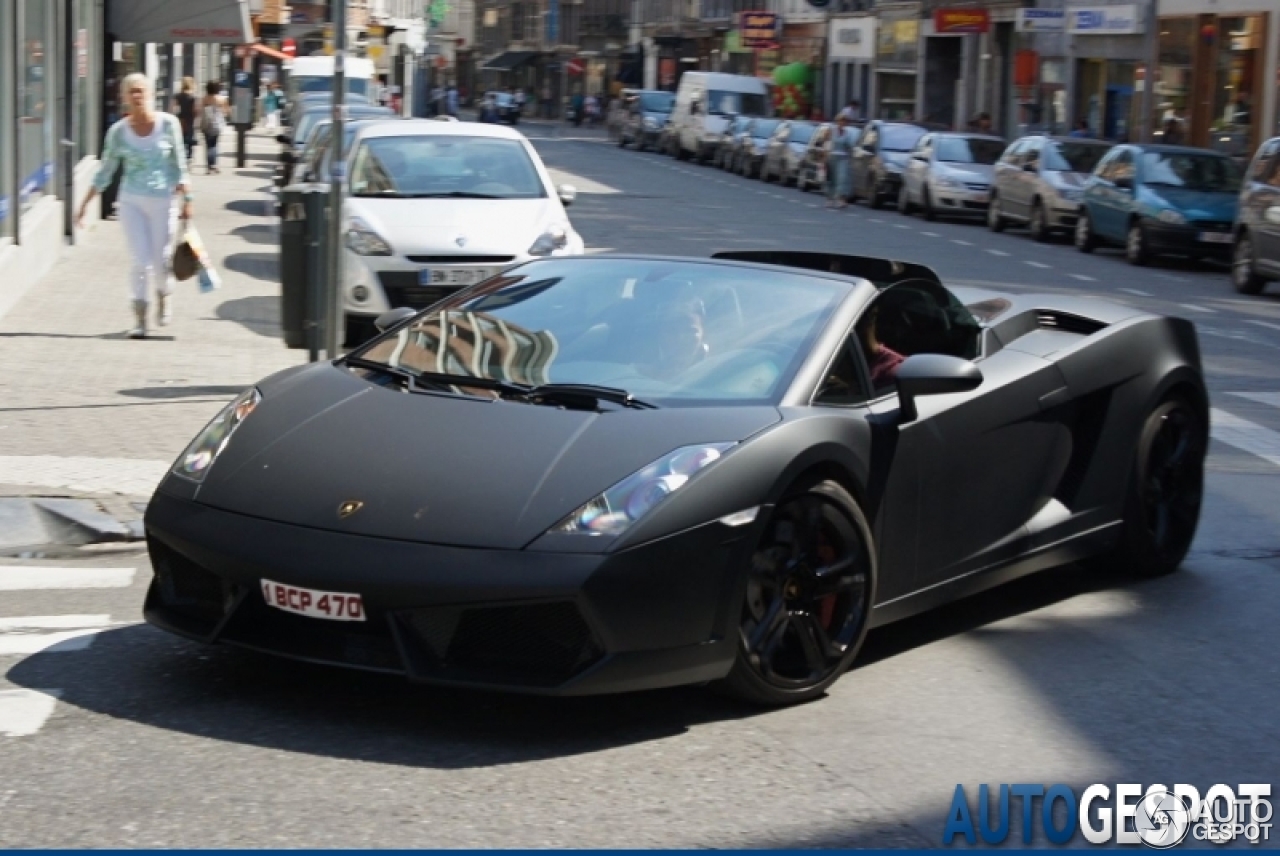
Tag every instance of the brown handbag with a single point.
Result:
(185, 263)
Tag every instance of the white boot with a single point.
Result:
(140, 313)
(164, 309)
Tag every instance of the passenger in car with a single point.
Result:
(882, 361)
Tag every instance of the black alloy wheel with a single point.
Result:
(995, 217)
(1085, 240)
(1038, 224)
(1166, 489)
(808, 598)
(1244, 268)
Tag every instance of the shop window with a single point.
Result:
(86, 68)
(1173, 83)
(35, 110)
(7, 47)
(1238, 46)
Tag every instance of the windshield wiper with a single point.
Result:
(586, 393)
(452, 194)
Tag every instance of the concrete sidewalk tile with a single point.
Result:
(75, 387)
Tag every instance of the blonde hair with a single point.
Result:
(132, 80)
(188, 84)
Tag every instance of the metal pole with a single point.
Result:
(337, 177)
(1150, 64)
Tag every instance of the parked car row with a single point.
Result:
(1149, 199)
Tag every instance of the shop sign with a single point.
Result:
(852, 38)
(897, 42)
(1041, 21)
(1105, 20)
(759, 29)
(961, 20)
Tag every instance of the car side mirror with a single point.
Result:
(567, 193)
(1030, 167)
(933, 374)
(1124, 183)
(283, 139)
(387, 320)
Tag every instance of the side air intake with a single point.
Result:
(1048, 319)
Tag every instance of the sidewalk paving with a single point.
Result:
(87, 412)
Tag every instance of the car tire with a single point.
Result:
(904, 201)
(794, 641)
(874, 200)
(1244, 268)
(1165, 491)
(1136, 251)
(802, 183)
(1085, 240)
(995, 219)
(926, 205)
(1038, 223)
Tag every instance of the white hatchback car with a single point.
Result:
(433, 207)
(949, 175)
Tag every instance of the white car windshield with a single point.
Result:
(1191, 171)
(324, 83)
(726, 103)
(974, 150)
(668, 331)
(445, 166)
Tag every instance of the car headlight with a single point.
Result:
(613, 512)
(1168, 215)
(1069, 194)
(364, 241)
(948, 183)
(196, 461)
(555, 238)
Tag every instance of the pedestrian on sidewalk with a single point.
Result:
(149, 147)
(840, 165)
(214, 113)
(271, 104)
(184, 107)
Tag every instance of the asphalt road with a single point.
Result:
(1067, 677)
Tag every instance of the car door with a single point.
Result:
(1264, 210)
(1027, 176)
(972, 469)
(916, 175)
(774, 153)
(1109, 201)
(1006, 173)
(864, 153)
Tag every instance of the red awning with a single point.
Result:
(271, 52)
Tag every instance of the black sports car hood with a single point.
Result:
(440, 469)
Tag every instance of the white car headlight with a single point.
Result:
(364, 241)
(948, 182)
(555, 238)
(1069, 194)
(1168, 215)
(195, 462)
(613, 512)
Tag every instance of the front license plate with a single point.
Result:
(333, 605)
(982, 197)
(1215, 237)
(453, 276)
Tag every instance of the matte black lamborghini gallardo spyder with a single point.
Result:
(612, 473)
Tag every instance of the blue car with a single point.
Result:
(1160, 199)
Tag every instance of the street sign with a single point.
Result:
(576, 66)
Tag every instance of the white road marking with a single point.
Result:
(1245, 435)
(126, 476)
(24, 712)
(1271, 398)
(1195, 308)
(1037, 264)
(1171, 278)
(961, 243)
(25, 644)
(581, 184)
(1086, 278)
(901, 226)
(1137, 292)
(36, 577)
(1264, 324)
(931, 234)
(875, 220)
(53, 622)
(998, 252)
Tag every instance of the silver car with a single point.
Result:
(1039, 181)
(950, 175)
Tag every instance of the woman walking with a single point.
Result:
(184, 107)
(839, 164)
(149, 146)
(213, 119)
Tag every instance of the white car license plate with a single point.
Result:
(453, 276)
(1215, 237)
(333, 605)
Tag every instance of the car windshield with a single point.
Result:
(358, 85)
(900, 138)
(969, 150)
(802, 132)
(657, 102)
(724, 103)
(763, 128)
(1206, 173)
(1074, 157)
(307, 124)
(669, 332)
(445, 166)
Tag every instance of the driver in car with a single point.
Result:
(674, 340)
(882, 361)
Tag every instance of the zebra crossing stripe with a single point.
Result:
(1245, 435)
(24, 712)
(20, 636)
(35, 577)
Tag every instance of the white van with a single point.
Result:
(315, 74)
(704, 104)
